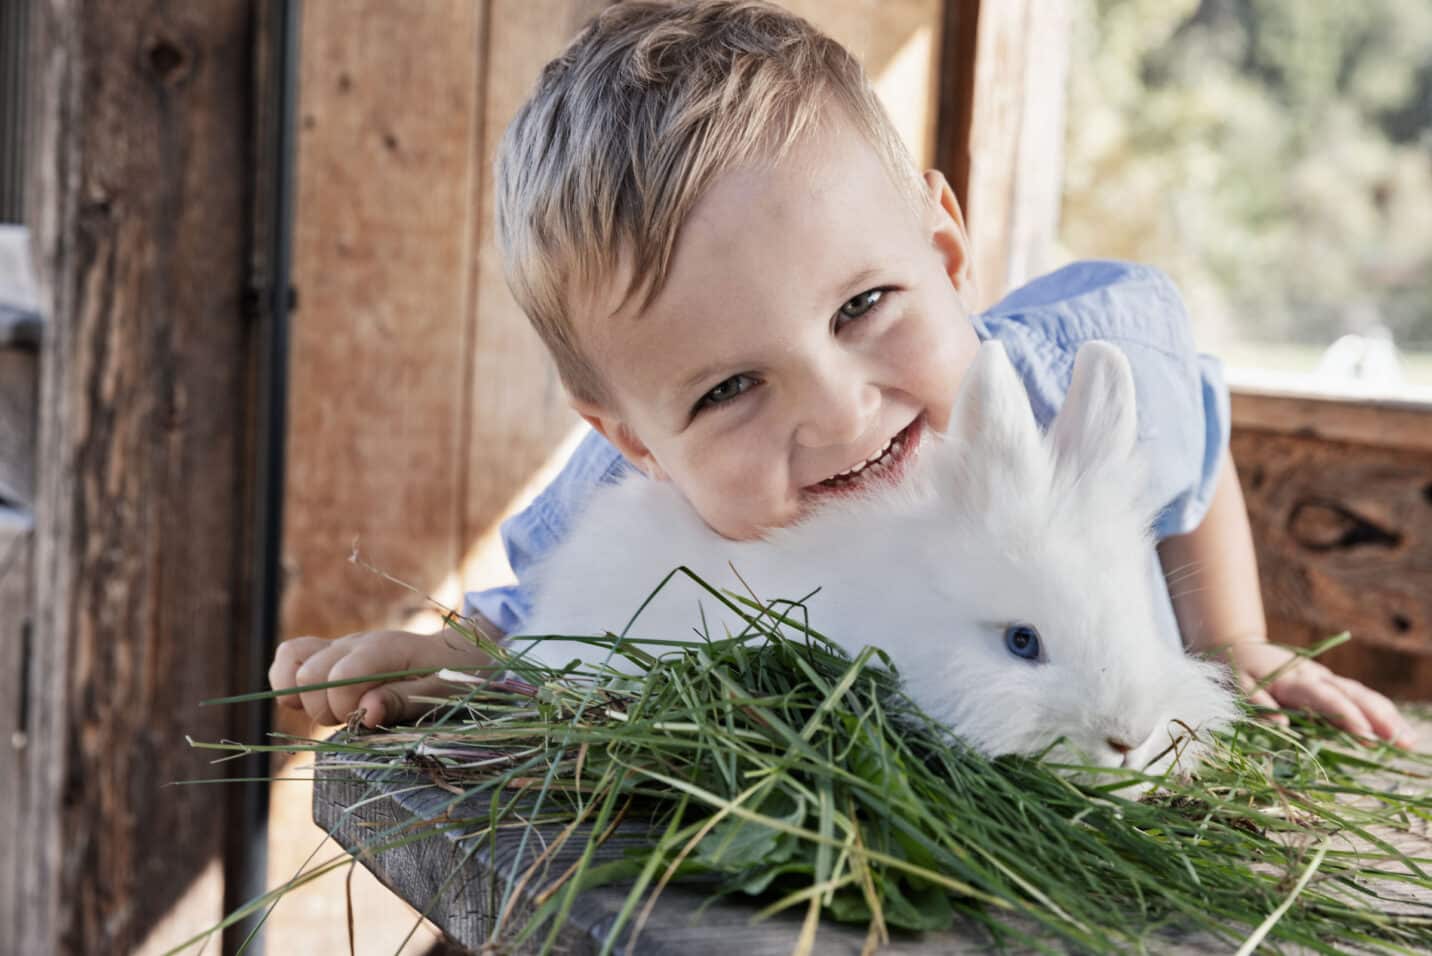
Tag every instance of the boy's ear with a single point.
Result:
(948, 232)
(614, 429)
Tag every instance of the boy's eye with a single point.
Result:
(860, 305)
(725, 391)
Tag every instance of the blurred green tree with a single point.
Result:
(1274, 156)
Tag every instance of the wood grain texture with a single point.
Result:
(467, 905)
(384, 215)
(1382, 423)
(460, 877)
(140, 195)
(1343, 532)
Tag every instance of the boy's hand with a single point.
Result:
(315, 660)
(1307, 685)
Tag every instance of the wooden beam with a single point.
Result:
(1339, 496)
(140, 198)
(1000, 132)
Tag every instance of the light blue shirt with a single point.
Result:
(1182, 410)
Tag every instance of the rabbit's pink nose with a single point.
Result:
(1118, 744)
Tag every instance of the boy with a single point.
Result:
(750, 292)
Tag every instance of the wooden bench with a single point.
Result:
(458, 885)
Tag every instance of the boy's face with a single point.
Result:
(810, 317)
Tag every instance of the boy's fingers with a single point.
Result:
(1262, 698)
(389, 704)
(290, 656)
(315, 671)
(1381, 713)
(378, 703)
(1327, 698)
(372, 658)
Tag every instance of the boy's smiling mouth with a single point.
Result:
(888, 462)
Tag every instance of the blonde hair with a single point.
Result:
(630, 126)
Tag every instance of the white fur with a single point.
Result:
(994, 524)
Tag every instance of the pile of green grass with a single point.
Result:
(774, 763)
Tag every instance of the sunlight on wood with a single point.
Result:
(199, 908)
(314, 919)
(906, 87)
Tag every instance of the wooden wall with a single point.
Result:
(423, 407)
(140, 199)
(421, 403)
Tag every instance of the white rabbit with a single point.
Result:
(1006, 576)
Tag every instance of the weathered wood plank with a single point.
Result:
(139, 195)
(467, 906)
(1343, 532)
(461, 875)
(1378, 423)
(384, 218)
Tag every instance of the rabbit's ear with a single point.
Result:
(1098, 425)
(995, 426)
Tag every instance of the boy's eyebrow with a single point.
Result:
(700, 375)
(855, 281)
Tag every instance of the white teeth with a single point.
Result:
(893, 445)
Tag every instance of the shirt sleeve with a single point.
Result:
(531, 533)
(1183, 408)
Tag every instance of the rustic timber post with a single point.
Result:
(140, 198)
(999, 132)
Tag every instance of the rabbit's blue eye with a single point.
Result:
(1022, 641)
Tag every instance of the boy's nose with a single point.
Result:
(839, 414)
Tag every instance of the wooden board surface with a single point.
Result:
(1339, 496)
(1343, 533)
(389, 101)
(460, 882)
(139, 197)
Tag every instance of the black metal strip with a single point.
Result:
(246, 871)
